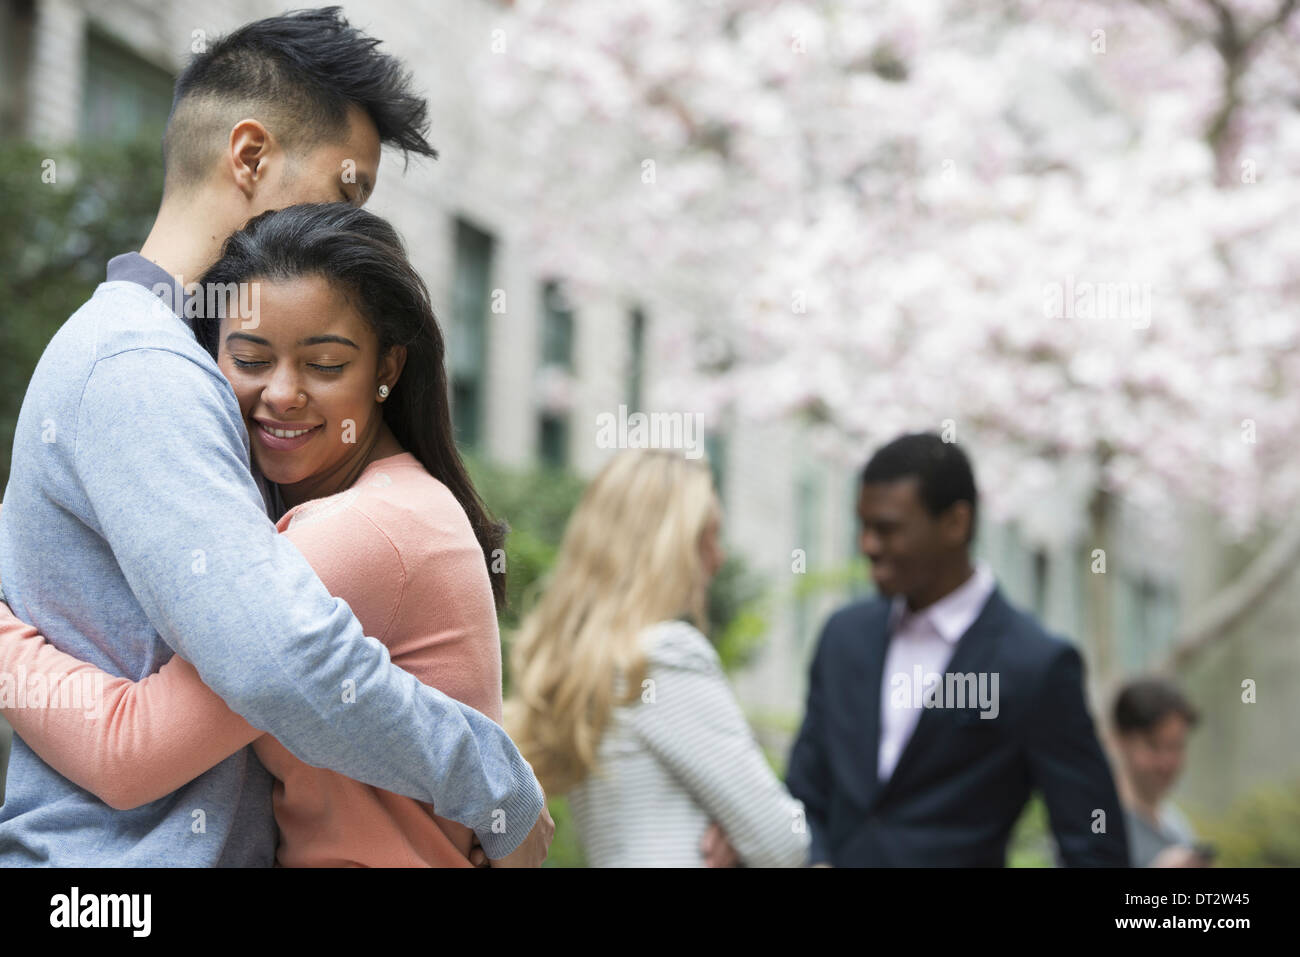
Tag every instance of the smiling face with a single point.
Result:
(307, 377)
(907, 546)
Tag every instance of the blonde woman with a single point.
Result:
(620, 701)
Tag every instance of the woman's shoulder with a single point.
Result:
(397, 535)
(680, 644)
(392, 515)
(397, 497)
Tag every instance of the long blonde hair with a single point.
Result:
(630, 558)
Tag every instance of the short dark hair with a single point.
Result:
(303, 70)
(1145, 702)
(941, 469)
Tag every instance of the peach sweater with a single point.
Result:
(399, 549)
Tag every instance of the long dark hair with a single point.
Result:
(362, 254)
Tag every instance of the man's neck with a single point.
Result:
(1148, 807)
(185, 240)
(948, 581)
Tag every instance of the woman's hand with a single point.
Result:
(717, 850)
(477, 857)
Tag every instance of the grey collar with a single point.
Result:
(132, 267)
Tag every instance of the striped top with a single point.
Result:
(679, 758)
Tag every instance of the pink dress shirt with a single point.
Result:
(921, 646)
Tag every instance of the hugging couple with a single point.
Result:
(255, 534)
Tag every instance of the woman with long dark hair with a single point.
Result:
(339, 375)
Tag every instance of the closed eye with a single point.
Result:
(245, 364)
(330, 369)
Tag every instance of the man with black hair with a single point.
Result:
(133, 529)
(1152, 719)
(936, 708)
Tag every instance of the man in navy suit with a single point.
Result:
(936, 708)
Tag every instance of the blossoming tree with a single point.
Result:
(1065, 232)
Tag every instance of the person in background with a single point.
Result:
(618, 698)
(1152, 719)
(893, 777)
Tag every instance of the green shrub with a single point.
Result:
(738, 612)
(1260, 829)
(1031, 838)
(55, 241)
(565, 851)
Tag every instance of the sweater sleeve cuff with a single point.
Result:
(518, 814)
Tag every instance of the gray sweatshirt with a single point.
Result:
(133, 529)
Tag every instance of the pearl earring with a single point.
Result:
(383, 393)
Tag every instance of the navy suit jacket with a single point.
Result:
(962, 780)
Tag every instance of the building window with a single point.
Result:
(556, 375)
(635, 358)
(1148, 618)
(17, 19)
(557, 327)
(125, 96)
(1041, 572)
(859, 585)
(715, 447)
(469, 319)
(553, 440)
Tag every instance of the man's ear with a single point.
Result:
(957, 523)
(248, 156)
